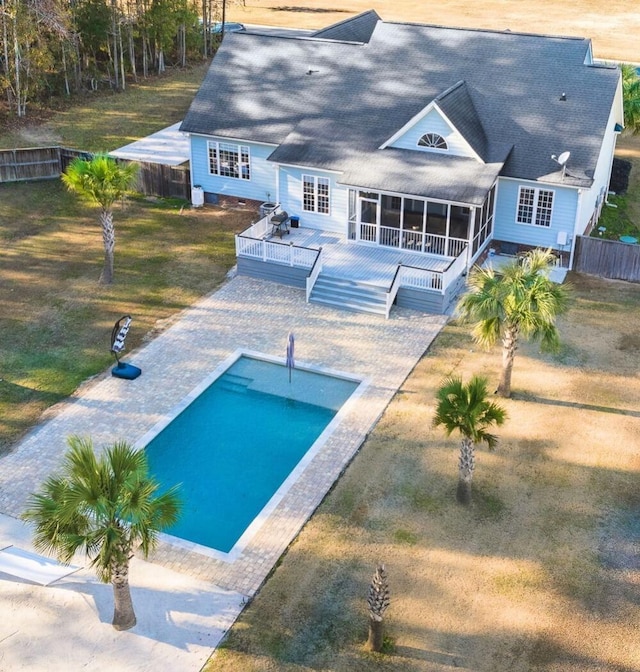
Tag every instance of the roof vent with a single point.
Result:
(563, 96)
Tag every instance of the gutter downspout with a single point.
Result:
(575, 229)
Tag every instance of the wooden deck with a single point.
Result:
(361, 262)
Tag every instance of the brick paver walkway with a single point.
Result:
(244, 314)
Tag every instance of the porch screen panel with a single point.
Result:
(413, 215)
(437, 218)
(391, 209)
(459, 222)
(368, 212)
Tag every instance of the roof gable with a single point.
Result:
(356, 29)
(452, 116)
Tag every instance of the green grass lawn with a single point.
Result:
(105, 121)
(56, 319)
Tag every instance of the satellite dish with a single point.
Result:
(562, 161)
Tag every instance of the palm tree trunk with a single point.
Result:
(466, 465)
(123, 615)
(109, 239)
(376, 639)
(509, 347)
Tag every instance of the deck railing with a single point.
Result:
(414, 241)
(254, 243)
(316, 269)
(455, 269)
(275, 252)
(393, 290)
(421, 278)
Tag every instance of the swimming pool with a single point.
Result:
(236, 443)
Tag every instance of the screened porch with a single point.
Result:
(419, 225)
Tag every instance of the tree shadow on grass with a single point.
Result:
(526, 396)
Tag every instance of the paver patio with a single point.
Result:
(244, 314)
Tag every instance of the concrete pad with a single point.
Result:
(67, 626)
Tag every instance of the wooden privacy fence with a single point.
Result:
(156, 179)
(39, 163)
(42, 163)
(607, 259)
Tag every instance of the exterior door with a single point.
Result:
(368, 215)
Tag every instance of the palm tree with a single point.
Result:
(106, 507)
(465, 408)
(631, 97)
(378, 601)
(516, 300)
(103, 181)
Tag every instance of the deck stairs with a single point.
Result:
(351, 295)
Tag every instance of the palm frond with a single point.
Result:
(466, 409)
(103, 505)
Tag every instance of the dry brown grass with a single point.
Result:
(614, 26)
(537, 575)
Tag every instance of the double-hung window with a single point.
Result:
(315, 194)
(534, 206)
(229, 160)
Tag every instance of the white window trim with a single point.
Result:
(314, 178)
(239, 147)
(534, 214)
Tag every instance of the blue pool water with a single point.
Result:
(235, 444)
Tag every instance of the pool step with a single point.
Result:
(233, 383)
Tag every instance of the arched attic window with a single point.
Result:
(433, 141)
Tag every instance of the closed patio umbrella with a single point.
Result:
(290, 352)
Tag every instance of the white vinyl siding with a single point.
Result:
(229, 160)
(534, 206)
(315, 194)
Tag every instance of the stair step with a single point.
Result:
(353, 307)
(349, 290)
(350, 295)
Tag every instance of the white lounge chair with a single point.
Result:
(33, 567)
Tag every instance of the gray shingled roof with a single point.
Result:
(501, 89)
(356, 29)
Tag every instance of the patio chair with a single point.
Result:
(280, 224)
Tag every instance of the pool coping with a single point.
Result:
(263, 515)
